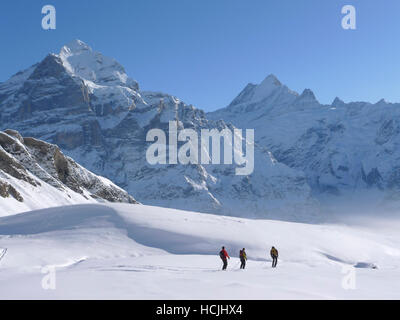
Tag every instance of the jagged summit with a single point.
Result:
(382, 102)
(80, 60)
(75, 46)
(307, 98)
(270, 88)
(270, 80)
(266, 87)
(337, 102)
(308, 94)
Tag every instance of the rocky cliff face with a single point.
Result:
(86, 104)
(31, 167)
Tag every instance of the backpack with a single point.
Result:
(221, 255)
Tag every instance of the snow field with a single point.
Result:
(121, 251)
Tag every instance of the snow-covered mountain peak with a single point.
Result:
(307, 98)
(307, 93)
(270, 91)
(75, 47)
(80, 60)
(266, 88)
(271, 80)
(382, 102)
(338, 102)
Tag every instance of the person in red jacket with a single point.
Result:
(223, 254)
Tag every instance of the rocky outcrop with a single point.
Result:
(7, 190)
(37, 163)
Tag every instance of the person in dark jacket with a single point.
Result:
(243, 258)
(223, 254)
(274, 256)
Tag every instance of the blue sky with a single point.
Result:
(205, 52)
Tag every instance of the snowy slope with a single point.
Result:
(140, 252)
(35, 174)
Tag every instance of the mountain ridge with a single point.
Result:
(346, 150)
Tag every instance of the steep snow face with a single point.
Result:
(35, 174)
(349, 152)
(266, 88)
(271, 90)
(85, 103)
(110, 250)
(79, 59)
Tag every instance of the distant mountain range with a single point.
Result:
(349, 152)
(308, 156)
